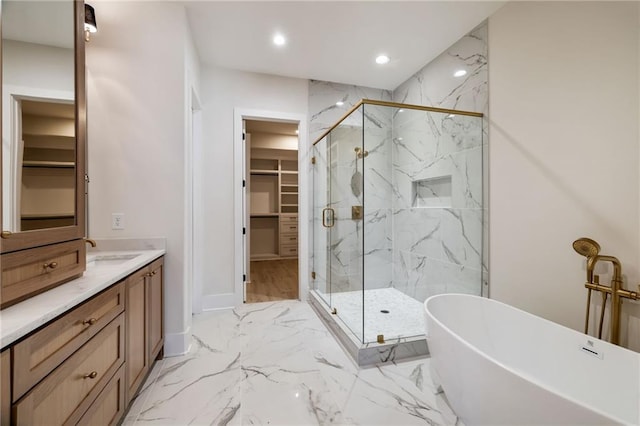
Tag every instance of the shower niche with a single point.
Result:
(414, 174)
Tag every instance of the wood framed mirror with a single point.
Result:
(43, 123)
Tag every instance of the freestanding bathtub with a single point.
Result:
(500, 365)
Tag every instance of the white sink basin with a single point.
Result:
(110, 260)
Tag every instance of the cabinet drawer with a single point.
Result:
(42, 352)
(66, 394)
(290, 218)
(288, 239)
(289, 227)
(109, 407)
(288, 250)
(29, 272)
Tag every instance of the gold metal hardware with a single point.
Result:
(395, 105)
(90, 321)
(148, 274)
(90, 241)
(380, 338)
(91, 375)
(313, 160)
(326, 221)
(356, 212)
(50, 265)
(334, 311)
(360, 153)
(591, 249)
(5, 234)
(313, 275)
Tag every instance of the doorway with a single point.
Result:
(271, 201)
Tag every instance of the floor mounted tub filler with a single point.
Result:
(500, 365)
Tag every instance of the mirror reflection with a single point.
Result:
(38, 115)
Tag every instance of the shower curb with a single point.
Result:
(365, 354)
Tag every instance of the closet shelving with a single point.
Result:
(273, 205)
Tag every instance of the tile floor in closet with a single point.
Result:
(276, 363)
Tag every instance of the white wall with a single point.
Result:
(222, 91)
(563, 81)
(136, 136)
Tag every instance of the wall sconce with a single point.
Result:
(90, 25)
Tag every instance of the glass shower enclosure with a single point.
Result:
(397, 215)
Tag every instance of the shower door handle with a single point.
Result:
(328, 220)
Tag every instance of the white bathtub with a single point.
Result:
(500, 365)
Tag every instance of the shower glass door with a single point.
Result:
(338, 225)
(346, 233)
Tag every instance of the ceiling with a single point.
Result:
(334, 41)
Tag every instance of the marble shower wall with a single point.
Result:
(439, 207)
(424, 207)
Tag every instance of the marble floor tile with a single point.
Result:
(275, 363)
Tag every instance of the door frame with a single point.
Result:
(239, 159)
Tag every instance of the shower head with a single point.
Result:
(586, 247)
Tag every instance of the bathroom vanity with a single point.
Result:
(79, 353)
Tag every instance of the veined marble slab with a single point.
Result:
(276, 363)
(20, 319)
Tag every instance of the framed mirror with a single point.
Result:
(43, 122)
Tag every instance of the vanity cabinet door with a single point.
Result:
(136, 334)
(5, 388)
(155, 306)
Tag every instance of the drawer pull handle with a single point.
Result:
(5, 234)
(91, 375)
(148, 274)
(51, 265)
(90, 321)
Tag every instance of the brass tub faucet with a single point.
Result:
(591, 250)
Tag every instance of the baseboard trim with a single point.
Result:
(212, 302)
(176, 344)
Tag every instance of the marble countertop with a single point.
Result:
(104, 268)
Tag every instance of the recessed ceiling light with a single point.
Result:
(450, 115)
(339, 103)
(297, 132)
(279, 40)
(400, 110)
(382, 59)
(459, 73)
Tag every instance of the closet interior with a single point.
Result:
(272, 202)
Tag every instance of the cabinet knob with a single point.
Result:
(51, 265)
(90, 321)
(91, 375)
(5, 234)
(148, 274)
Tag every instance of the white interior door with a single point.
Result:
(246, 208)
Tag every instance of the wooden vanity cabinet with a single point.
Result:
(145, 330)
(84, 367)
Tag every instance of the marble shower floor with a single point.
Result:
(404, 316)
(276, 363)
